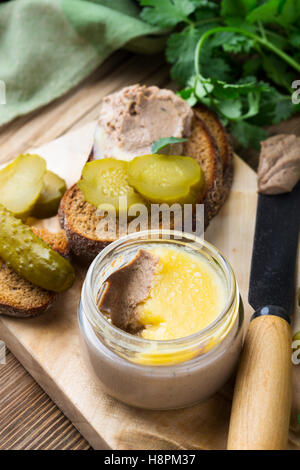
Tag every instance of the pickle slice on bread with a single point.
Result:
(21, 183)
(166, 178)
(48, 201)
(105, 181)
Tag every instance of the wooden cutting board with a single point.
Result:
(48, 346)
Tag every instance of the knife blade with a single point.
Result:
(261, 405)
(274, 250)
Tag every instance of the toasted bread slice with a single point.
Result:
(202, 146)
(218, 132)
(81, 221)
(20, 298)
(222, 140)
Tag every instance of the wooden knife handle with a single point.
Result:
(261, 406)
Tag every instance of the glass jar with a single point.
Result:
(159, 374)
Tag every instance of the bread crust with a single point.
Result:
(218, 132)
(14, 289)
(85, 247)
(222, 139)
(11, 311)
(203, 148)
(227, 180)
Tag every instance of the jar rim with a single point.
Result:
(97, 319)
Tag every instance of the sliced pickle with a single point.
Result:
(166, 178)
(31, 257)
(104, 181)
(21, 183)
(53, 190)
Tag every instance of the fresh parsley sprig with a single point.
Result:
(239, 57)
(164, 142)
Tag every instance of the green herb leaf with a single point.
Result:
(238, 44)
(251, 67)
(180, 51)
(216, 67)
(238, 22)
(164, 141)
(273, 108)
(188, 95)
(295, 39)
(284, 109)
(223, 90)
(239, 8)
(235, 56)
(267, 12)
(277, 71)
(231, 109)
(282, 12)
(231, 42)
(206, 10)
(167, 13)
(203, 87)
(205, 4)
(212, 63)
(248, 134)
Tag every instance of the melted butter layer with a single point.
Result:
(187, 295)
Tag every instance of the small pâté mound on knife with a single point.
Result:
(151, 147)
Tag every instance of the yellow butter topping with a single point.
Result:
(187, 295)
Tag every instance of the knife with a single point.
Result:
(261, 405)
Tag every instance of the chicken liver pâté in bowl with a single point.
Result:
(161, 319)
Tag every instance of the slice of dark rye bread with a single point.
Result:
(20, 298)
(208, 140)
(218, 132)
(222, 140)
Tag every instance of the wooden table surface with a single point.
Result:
(28, 417)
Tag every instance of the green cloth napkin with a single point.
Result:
(48, 46)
